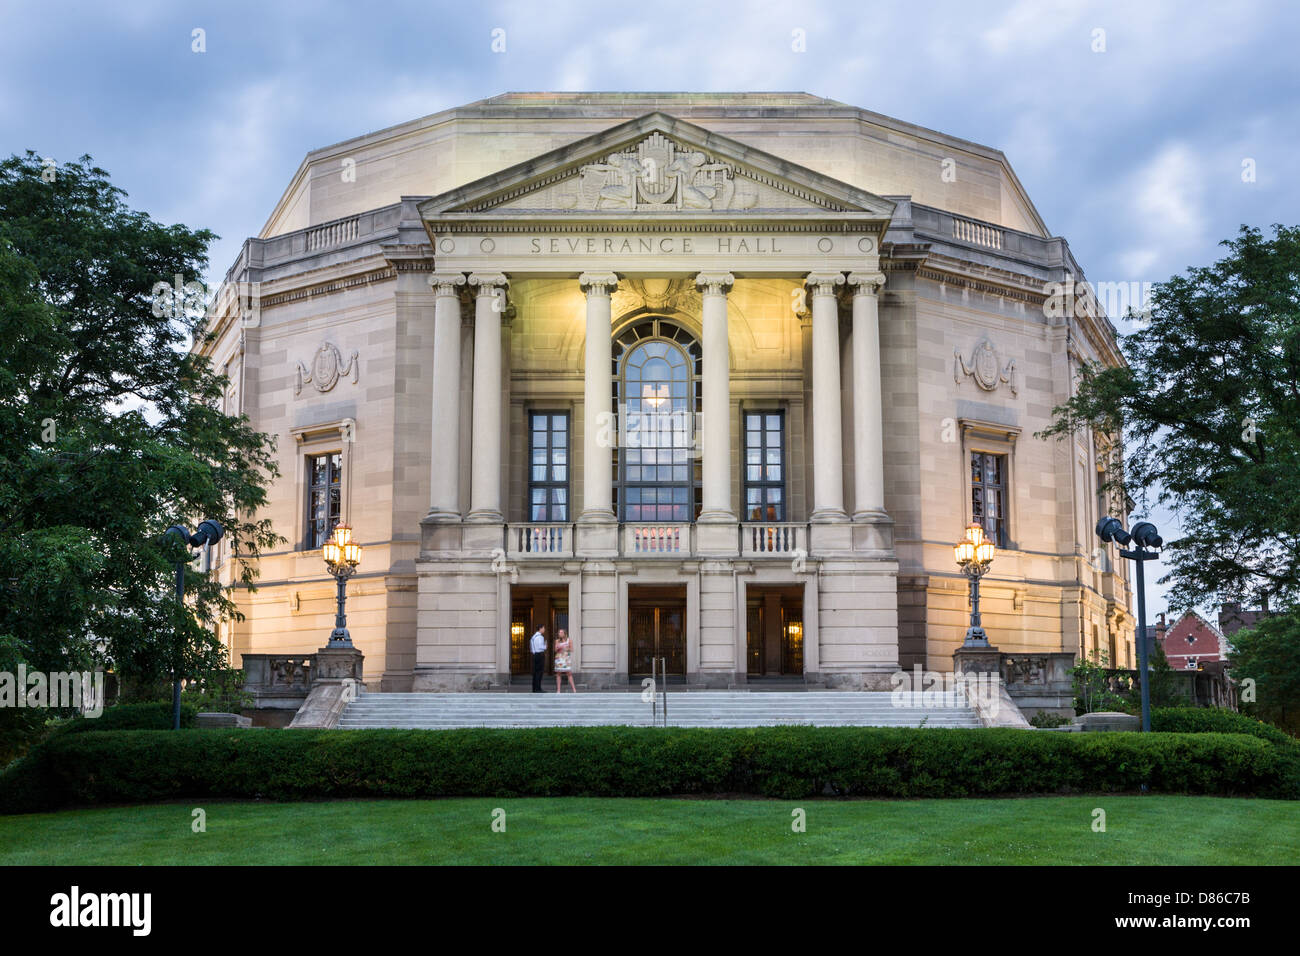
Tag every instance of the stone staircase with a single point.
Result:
(693, 708)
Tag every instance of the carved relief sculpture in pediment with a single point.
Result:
(985, 368)
(326, 369)
(657, 175)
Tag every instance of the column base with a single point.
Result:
(597, 517)
(596, 536)
(438, 516)
(485, 517)
(829, 516)
(717, 538)
(872, 516)
(716, 517)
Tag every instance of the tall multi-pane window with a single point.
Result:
(765, 466)
(657, 393)
(324, 496)
(548, 477)
(989, 494)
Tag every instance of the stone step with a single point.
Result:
(695, 708)
(519, 725)
(739, 724)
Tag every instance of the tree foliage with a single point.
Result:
(111, 430)
(1268, 653)
(1209, 407)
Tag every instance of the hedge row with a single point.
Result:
(1194, 720)
(148, 716)
(785, 762)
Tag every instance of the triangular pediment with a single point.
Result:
(653, 166)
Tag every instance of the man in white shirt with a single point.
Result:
(538, 646)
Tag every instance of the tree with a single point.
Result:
(1162, 686)
(111, 430)
(1268, 653)
(1209, 407)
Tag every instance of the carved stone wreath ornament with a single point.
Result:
(985, 368)
(326, 369)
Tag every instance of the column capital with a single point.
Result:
(444, 283)
(715, 283)
(598, 283)
(488, 282)
(824, 283)
(867, 283)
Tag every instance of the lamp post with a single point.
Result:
(1147, 540)
(974, 554)
(209, 532)
(342, 555)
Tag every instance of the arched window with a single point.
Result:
(657, 397)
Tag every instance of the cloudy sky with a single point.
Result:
(1131, 125)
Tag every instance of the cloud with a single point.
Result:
(1167, 208)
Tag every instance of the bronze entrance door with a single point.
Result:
(655, 631)
(774, 632)
(528, 609)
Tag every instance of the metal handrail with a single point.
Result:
(664, 669)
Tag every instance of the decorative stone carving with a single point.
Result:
(326, 369)
(494, 286)
(985, 368)
(867, 283)
(656, 295)
(446, 283)
(824, 283)
(715, 283)
(1024, 670)
(656, 174)
(294, 672)
(599, 284)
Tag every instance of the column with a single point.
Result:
(828, 442)
(868, 423)
(715, 437)
(597, 433)
(485, 442)
(444, 452)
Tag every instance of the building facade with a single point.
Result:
(711, 381)
(1191, 642)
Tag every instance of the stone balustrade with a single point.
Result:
(278, 681)
(761, 540)
(539, 540)
(648, 539)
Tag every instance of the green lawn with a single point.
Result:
(1153, 829)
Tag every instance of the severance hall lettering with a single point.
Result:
(663, 245)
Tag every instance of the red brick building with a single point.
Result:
(1192, 641)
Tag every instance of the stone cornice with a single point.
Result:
(340, 284)
(1018, 287)
(523, 225)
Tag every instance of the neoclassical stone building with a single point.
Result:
(716, 379)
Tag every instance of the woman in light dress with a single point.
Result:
(564, 659)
